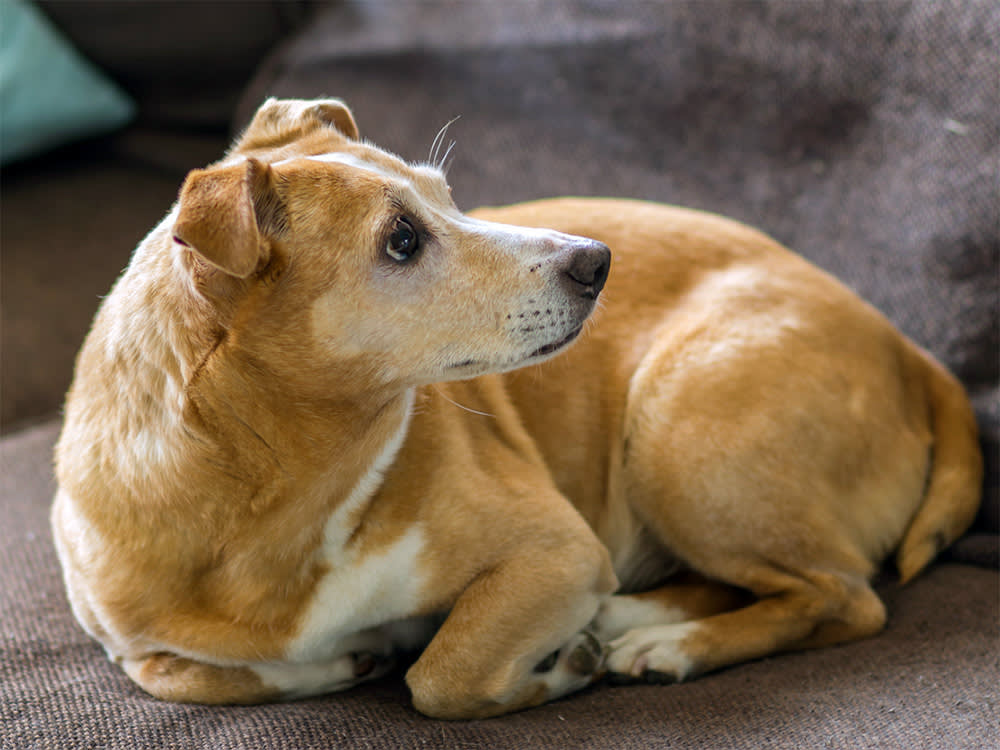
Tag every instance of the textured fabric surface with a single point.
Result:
(865, 136)
(68, 224)
(929, 681)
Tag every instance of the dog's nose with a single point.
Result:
(587, 269)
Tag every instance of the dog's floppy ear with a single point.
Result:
(279, 121)
(219, 215)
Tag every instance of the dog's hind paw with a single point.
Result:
(652, 654)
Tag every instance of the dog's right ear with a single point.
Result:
(219, 216)
(280, 121)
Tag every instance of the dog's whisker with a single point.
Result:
(460, 406)
(445, 164)
(436, 144)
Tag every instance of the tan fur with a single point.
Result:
(287, 455)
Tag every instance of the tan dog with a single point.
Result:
(265, 490)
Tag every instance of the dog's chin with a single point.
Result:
(474, 368)
(546, 351)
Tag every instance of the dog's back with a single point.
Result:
(287, 449)
(676, 268)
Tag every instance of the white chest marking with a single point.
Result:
(361, 590)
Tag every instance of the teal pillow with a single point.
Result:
(49, 94)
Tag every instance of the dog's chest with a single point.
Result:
(363, 587)
(360, 592)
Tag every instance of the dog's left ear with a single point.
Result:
(220, 216)
(281, 121)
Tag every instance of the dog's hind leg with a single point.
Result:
(688, 596)
(176, 678)
(823, 610)
(785, 460)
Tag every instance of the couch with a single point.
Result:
(865, 135)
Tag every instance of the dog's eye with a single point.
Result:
(404, 242)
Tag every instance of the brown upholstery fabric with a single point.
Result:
(68, 224)
(863, 134)
(929, 681)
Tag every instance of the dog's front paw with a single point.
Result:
(586, 654)
(652, 654)
(368, 665)
(582, 655)
(574, 666)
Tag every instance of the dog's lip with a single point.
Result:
(539, 352)
(555, 346)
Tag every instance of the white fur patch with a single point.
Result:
(299, 680)
(361, 591)
(620, 614)
(658, 648)
(370, 481)
(359, 594)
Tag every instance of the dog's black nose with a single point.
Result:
(587, 269)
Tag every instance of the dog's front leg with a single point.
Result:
(515, 638)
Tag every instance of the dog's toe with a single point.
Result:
(652, 654)
(583, 655)
(587, 656)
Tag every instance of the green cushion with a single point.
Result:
(49, 94)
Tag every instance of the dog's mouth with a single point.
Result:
(557, 345)
(541, 351)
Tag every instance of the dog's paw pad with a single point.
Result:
(583, 655)
(577, 664)
(587, 656)
(368, 665)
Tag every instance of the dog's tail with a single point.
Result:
(954, 482)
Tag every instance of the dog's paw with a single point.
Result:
(368, 665)
(586, 654)
(582, 655)
(574, 666)
(652, 654)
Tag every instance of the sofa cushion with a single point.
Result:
(827, 124)
(184, 63)
(49, 93)
(69, 221)
(863, 135)
(928, 681)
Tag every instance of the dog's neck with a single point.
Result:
(179, 413)
(247, 410)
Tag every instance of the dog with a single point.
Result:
(324, 418)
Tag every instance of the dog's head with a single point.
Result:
(334, 256)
